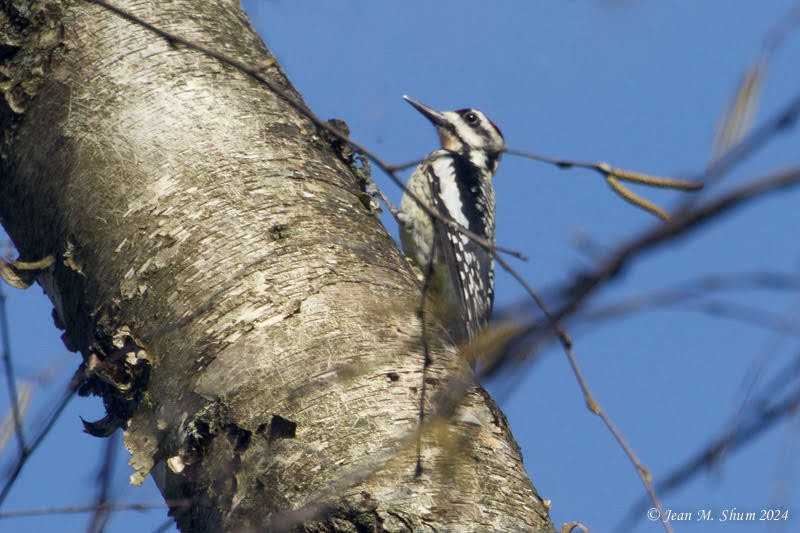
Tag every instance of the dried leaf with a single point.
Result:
(655, 181)
(636, 200)
(738, 116)
(7, 429)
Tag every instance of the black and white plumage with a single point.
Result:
(455, 181)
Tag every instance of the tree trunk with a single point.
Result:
(245, 317)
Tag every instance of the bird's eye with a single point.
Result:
(471, 118)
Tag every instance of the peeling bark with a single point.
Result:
(244, 316)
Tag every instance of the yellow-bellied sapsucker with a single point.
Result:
(455, 181)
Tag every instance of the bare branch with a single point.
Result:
(80, 509)
(694, 294)
(591, 403)
(8, 430)
(683, 222)
(613, 175)
(780, 122)
(103, 510)
(48, 424)
(730, 441)
(11, 381)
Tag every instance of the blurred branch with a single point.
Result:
(780, 32)
(591, 403)
(105, 474)
(574, 294)
(79, 509)
(695, 295)
(748, 315)
(166, 525)
(7, 426)
(765, 416)
(780, 122)
(11, 381)
(685, 221)
(48, 424)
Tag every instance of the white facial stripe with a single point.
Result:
(483, 136)
(465, 132)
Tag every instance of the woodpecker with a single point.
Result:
(456, 182)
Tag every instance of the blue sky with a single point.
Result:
(639, 84)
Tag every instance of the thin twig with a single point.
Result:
(584, 284)
(103, 511)
(47, 426)
(591, 403)
(24, 394)
(695, 294)
(757, 369)
(444, 405)
(613, 176)
(778, 34)
(681, 224)
(80, 509)
(588, 283)
(166, 525)
(605, 170)
(781, 121)
(426, 352)
(641, 469)
(730, 441)
(11, 380)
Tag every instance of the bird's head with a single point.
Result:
(463, 130)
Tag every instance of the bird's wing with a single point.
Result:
(467, 264)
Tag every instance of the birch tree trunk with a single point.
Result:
(245, 317)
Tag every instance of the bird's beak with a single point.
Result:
(434, 116)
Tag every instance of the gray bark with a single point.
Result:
(246, 319)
